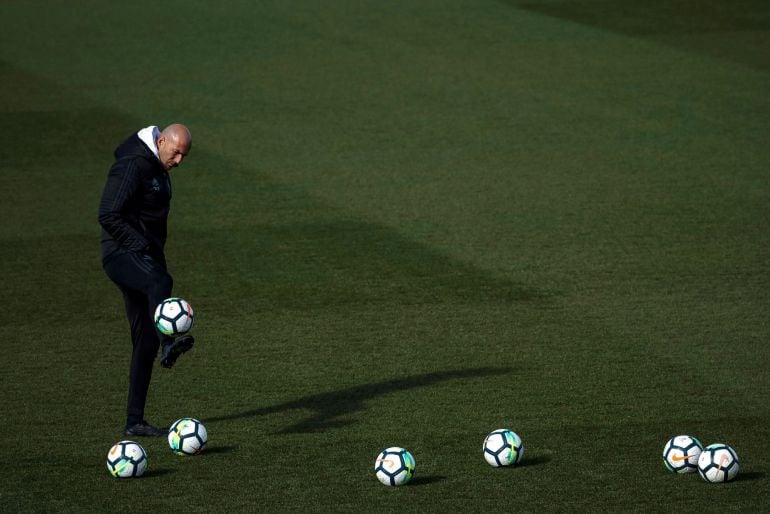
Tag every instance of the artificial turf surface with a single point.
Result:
(402, 223)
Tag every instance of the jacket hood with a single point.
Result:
(137, 144)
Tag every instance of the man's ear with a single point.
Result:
(161, 140)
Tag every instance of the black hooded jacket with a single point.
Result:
(135, 203)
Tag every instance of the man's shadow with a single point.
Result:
(330, 410)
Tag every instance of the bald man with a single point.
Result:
(133, 215)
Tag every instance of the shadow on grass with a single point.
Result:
(150, 473)
(328, 407)
(425, 480)
(214, 450)
(750, 475)
(537, 460)
(334, 262)
(219, 449)
(268, 243)
(709, 27)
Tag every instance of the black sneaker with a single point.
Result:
(172, 351)
(144, 429)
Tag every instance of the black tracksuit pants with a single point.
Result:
(144, 282)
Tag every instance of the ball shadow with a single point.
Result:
(218, 449)
(537, 460)
(751, 475)
(425, 480)
(150, 473)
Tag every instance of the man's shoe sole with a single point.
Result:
(176, 349)
(144, 432)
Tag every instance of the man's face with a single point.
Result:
(172, 150)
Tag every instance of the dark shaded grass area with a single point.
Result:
(511, 222)
(736, 31)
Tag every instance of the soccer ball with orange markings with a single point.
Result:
(174, 317)
(394, 466)
(718, 463)
(680, 455)
(127, 459)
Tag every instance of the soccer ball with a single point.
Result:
(718, 463)
(680, 455)
(174, 316)
(187, 436)
(127, 459)
(394, 466)
(503, 447)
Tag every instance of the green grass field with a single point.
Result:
(402, 223)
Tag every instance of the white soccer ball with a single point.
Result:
(680, 454)
(394, 466)
(127, 459)
(174, 317)
(503, 447)
(718, 463)
(187, 436)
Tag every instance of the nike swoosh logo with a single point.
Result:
(722, 462)
(677, 458)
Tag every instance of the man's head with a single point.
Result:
(174, 143)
